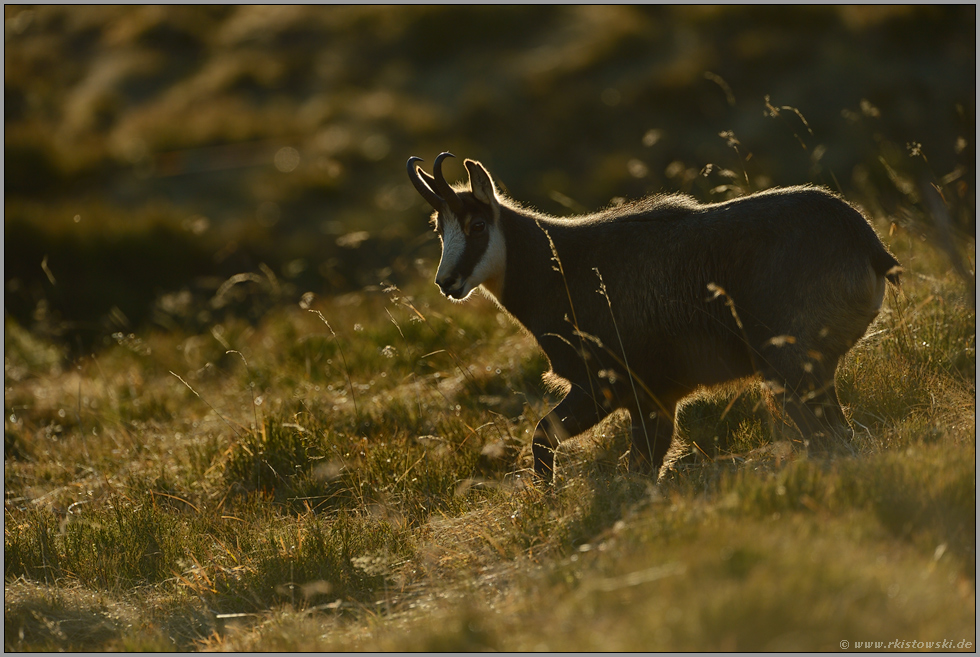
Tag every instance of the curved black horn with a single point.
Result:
(424, 186)
(442, 187)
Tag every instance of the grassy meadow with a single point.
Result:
(238, 415)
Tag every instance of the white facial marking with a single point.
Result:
(453, 245)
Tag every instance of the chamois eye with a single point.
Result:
(478, 226)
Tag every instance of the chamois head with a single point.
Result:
(468, 223)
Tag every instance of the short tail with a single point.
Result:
(885, 264)
(882, 261)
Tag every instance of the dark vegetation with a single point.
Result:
(238, 414)
(159, 129)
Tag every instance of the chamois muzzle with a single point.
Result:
(451, 287)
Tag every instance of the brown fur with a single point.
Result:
(780, 283)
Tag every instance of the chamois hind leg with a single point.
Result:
(577, 412)
(809, 397)
(652, 433)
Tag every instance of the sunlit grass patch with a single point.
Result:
(358, 480)
(925, 494)
(921, 350)
(309, 522)
(61, 618)
(679, 575)
(686, 578)
(108, 548)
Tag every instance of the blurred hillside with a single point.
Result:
(151, 153)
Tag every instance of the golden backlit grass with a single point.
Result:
(289, 485)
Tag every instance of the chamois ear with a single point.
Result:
(481, 183)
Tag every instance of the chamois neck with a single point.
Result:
(529, 269)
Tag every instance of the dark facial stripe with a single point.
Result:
(476, 246)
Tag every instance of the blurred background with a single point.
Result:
(166, 165)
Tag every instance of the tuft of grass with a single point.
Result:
(727, 422)
(112, 550)
(54, 618)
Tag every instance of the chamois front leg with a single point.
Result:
(577, 412)
(809, 397)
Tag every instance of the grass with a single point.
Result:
(199, 454)
(365, 487)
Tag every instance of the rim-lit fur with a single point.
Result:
(636, 306)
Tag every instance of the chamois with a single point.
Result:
(638, 305)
